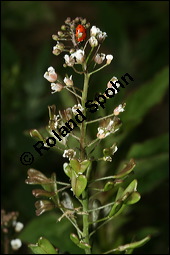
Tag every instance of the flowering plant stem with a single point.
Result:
(84, 200)
(79, 167)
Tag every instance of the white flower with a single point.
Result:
(19, 226)
(70, 153)
(57, 87)
(101, 36)
(16, 244)
(99, 58)
(101, 133)
(109, 85)
(118, 109)
(50, 75)
(107, 129)
(68, 81)
(109, 59)
(69, 60)
(75, 107)
(79, 55)
(93, 41)
(94, 30)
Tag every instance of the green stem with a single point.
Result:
(72, 92)
(83, 156)
(98, 69)
(99, 119)
(89, 55)
(103, 178)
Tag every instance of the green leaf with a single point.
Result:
(151, 171)
(74, 163)
(150, 147)
(78, 183)
(79, 167)
(43, 247)
(46, 245)
(84, 165)
(36, 249)
(146, 96)
(67, 169)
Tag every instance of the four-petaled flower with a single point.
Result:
(50, 75)
(57, 87)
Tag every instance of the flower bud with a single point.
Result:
(68, 81)
(58, 48)
(94, 30)
(63, 27)
(68, 20)
(93, 41)
(77, 19)
(87, 25)
(83, 22)
(60, 33)
(55, 37)
(109, 59)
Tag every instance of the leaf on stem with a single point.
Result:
(78, 183)
(43, 247)
(79, 167)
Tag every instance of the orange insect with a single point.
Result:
(80, 33)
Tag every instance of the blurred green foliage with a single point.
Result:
(138, 39)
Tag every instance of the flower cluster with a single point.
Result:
(8, 224)
(73, 39)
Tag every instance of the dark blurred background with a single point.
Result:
(138, 39)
